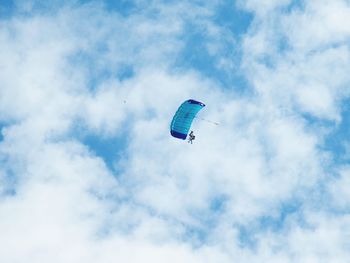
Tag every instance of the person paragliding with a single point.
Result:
(183, 118)
(191, 137)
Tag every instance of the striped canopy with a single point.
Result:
(182, 120)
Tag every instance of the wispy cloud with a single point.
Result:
(89, 170)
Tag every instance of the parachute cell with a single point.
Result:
(182, 120)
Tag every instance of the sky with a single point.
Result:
(88, 169)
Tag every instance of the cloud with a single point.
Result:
(258, 187)
(292, 64)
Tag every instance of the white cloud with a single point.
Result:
(170, 201)
(299, 61)
(323, 24)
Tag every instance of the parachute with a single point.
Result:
(182, 120)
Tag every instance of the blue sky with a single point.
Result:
(90, 172)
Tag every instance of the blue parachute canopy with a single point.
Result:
(182, 120)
